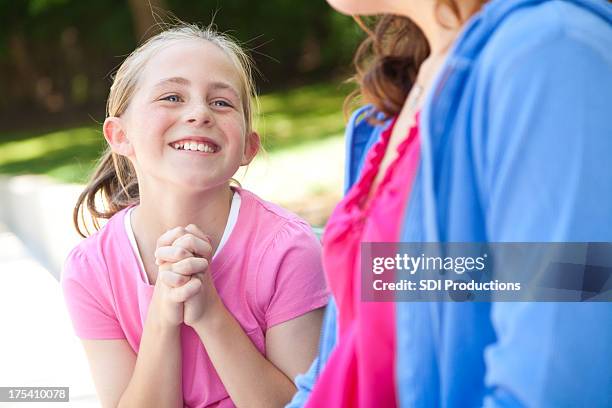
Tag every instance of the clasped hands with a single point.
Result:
(184, 291)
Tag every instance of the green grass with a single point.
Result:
(301, 115)
(67, 155)
(288, 118)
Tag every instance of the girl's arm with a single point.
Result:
(249, 378)
(156, 380)
(122, 378)
(292, 345)
(111, 363)
(153, 378)
(305, 382)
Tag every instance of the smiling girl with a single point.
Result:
(195, 293)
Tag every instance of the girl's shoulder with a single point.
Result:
(270, 213)
(91, 254)
(286, 276)
(88, 282)
(264, 221)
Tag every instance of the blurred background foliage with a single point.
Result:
(68, 153)
(57, 57)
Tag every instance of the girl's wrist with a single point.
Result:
(157, 320)
(214, 318)
(162, 327)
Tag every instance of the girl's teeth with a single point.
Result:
(202, 147)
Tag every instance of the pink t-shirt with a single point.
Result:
(268, 272)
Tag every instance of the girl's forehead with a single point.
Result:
(195, 60)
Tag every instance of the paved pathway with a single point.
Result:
(37, 344)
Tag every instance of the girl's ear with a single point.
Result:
(251, 147)
(115, 135)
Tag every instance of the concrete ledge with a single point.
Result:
(38, 347)
(39, 212)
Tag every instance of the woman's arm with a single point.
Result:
(548, 180)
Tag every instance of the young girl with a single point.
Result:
(194, 293)
(498, 129)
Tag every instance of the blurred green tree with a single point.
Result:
(56, 55)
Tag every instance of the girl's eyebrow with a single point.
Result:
(224, 86)
(213, 85)
(173, 80)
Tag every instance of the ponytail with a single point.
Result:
(115, 179)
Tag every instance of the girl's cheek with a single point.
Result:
(160, 118)
(161, 112)
(235, 121)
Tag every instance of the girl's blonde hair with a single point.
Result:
(115, 177)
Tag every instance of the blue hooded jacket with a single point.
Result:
(516, 135)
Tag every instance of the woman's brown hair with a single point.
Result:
(113, 185)
(388, 60)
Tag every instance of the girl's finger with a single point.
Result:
(182, 293)
(168, 237)
(171, 254)
(173, 279)
(190, 266)
(195, 245)
(195, 230)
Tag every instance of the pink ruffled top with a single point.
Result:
(361, 370)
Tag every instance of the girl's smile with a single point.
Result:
(195, 144)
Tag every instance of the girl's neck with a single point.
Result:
(160, 211)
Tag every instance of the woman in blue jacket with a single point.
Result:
(515, 131)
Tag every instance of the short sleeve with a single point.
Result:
(290, 278)
(87, 298)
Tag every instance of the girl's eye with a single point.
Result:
(171, 98)
(222, 103)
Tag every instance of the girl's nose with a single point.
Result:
(200, 115)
